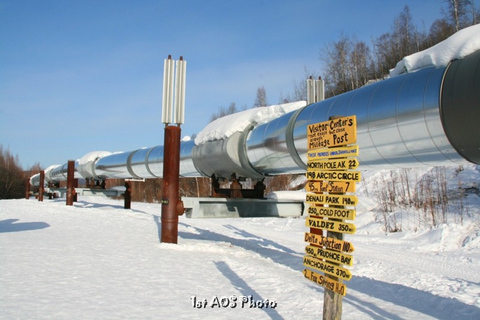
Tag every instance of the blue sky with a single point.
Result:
(82, 76)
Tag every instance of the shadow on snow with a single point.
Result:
(396, 294)
(11, 225)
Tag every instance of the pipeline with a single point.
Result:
(425, 118)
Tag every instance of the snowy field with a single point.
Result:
(96, 260)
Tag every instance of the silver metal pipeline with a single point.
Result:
(425, 118)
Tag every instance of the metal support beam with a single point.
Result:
(75, 186)
(70, 182)
(41, 188)
(127, 196)
(27, 188)
(170, 190)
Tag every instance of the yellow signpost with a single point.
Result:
(330, 186)
(328, 283)
(332, 153)
(335, 164)
(332, 133)
(353, 176)
(334, 199)
(330, 255)
(329, 243)
(327, 267)
(331, 225)
(328, 212)
(330, 173)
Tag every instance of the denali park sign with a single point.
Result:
(330, 194)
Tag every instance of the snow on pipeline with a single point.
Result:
(96, 260)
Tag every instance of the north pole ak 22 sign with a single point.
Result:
(331, 183)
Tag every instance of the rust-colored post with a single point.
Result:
(75, 186)
(127, 203)
(170, 191)
(27, 188)
(41, 186)
(70, 182)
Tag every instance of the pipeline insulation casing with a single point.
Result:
(460, 107)
(429, 117)
(424, 118)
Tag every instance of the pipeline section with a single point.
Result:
(429, 117)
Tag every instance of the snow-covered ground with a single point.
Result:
(96, 260)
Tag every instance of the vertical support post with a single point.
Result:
(332, 301)
(172, 206)
(41, 187)
(70, 182)
(127, 201)
(75, 194)
(27, 188)
(310, 90)
(320, 89)
(170, 191)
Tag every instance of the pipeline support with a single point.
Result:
(70, 182)
(41, 188)
(170, 190)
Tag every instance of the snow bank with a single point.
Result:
(96, 260)
(287, 195)
(226, 126)
(458, 46)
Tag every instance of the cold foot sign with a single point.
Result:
(332, 177)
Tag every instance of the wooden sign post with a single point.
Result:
(331, 183)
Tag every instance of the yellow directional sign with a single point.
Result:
(330, 225)
(327, 267)
(329, 243)
(332, 199)
(330, 255)
(341, 152)
(331, 175)
(336, 132)
(329, 212)
(354, 176)
(334, 164)
(326, 282)
(330, 186)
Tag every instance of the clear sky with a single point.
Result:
(82, 76)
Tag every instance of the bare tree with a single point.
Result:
(439, 31)
(403, 40)
(361, 62)
(12, 178)
(458, 12)
(261, 99)
(299, 87)
(222, 111)
(347, 65)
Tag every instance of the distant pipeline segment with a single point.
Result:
(430, 117)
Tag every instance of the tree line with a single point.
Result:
(12, 176)
(350, 63)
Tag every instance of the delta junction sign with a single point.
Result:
(331, 186)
